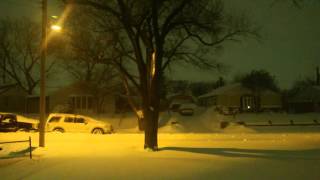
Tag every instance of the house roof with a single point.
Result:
(6, 87)
(233, 89)
(51, 90)
(12, 90)
(227, 89)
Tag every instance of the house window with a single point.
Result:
(78, 102)
(248, 103)
(6, 101)
(89, 102)
(82, 102)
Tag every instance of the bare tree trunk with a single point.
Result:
(151, 112)
(151, 129)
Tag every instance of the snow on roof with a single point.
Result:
(233, 89)
(223, 90)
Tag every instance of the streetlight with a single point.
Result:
(44, 43)
(42, 100)
(55, 24)
(56, 27)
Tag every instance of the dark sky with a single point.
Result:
(290, 49)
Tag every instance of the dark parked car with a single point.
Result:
(10, 122)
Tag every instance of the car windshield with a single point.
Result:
(54, 119)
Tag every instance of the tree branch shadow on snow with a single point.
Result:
(308, 154)
(16, 154)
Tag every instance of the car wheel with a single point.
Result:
(58, 130)
(97, 131)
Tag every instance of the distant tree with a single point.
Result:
(300, 85)
(200, 88)
(178, 86)
(296, 3)
(220, 82)
(20, 52)
(259, 80)
(154, 34)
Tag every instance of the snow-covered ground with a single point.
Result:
(181, 156)
(190, 147)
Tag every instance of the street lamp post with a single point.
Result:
(43, 75)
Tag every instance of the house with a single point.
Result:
(307, 99)
(236, 97)
(12, 98)
(74, 98)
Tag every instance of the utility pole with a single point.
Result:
(43, 75)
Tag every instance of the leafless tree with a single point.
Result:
(296, 3)
(20, 52)
(87, 57)
(154, 34)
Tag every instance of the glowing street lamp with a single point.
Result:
(56, 28)
(44, 43)
(42, 100)
(55, 25)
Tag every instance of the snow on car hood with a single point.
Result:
(26, 120)
(188, 106)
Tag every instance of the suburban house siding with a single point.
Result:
(81, 99)
(237, 97)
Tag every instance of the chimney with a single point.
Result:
(318, 76)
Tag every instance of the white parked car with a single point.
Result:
(187, 109)
(59, 122)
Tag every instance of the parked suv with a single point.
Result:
(76, 123)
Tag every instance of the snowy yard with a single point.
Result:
(193, 147)
(181, 156)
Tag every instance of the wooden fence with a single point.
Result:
(27, 141)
